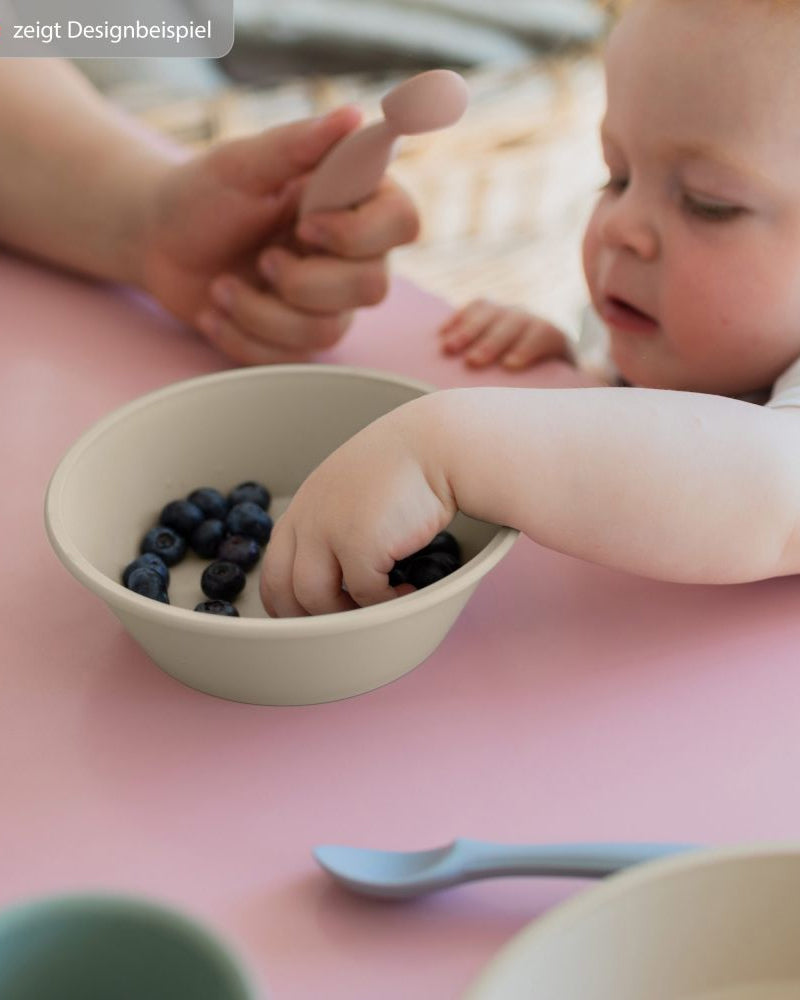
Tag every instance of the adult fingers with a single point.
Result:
(387, 219)
(324, 284)
(263, 318)
(262, 163)
(244, 348)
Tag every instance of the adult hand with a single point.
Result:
(224, 252)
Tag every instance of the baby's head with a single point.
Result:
(692, 254)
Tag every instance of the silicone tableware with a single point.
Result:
(402, 874)
(712, 924)
(354, 167)
(275, 424)
(79, 947)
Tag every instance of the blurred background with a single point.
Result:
(503, 195)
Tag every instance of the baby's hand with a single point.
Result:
(485, 333)
(378, 498)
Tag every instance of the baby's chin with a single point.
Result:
(642, 377)
(647, 372)
(641, 372)
(654, 364)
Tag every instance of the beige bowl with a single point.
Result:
(274, 424)
(718, 924)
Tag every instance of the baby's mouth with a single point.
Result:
(621, 315)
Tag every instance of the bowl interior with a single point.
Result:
(272, 424)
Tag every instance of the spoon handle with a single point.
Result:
(351, 171)
(478, 859)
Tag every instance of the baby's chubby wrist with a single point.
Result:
(425, 426)
(474, 436)
(442, 443)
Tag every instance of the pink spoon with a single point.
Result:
(352, 170)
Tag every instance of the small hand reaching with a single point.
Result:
(485, 332)
(378, 498)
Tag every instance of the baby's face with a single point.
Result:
(692, 254)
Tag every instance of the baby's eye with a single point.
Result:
(711, 211)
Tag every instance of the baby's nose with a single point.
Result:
(628, 223)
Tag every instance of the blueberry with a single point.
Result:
(250, 492)
(148, 583)
(206, 538)
(443, 542)
(212, 503)
(181, 516)
(217, 608)
(166, 543)
(222, 580)
(423, 570)
(247, 518)
(151, 560)
(241, 550)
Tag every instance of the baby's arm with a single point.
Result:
(677, 486)
(485, 332)
(671, 485)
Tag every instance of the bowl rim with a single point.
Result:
(118, 596)
(566, 915)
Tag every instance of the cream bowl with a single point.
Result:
(718, 924)
(274, 424)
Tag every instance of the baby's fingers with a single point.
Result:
(317, 581)
(276, 590)
(497, 338)
(306, 578)
(367, 584)
(466, 325)
(537, 341)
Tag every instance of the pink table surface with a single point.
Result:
(569, 702)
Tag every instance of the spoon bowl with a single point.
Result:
(426, 102)
(353, 169)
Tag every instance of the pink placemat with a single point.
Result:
(569, 702)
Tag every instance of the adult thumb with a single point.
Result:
(263, 163)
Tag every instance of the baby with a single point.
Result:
(692, 259)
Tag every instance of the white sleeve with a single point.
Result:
(786, 391)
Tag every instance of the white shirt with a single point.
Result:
(786, 391)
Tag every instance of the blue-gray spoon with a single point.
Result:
(403, 874)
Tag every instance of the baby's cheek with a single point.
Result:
(706, 304)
